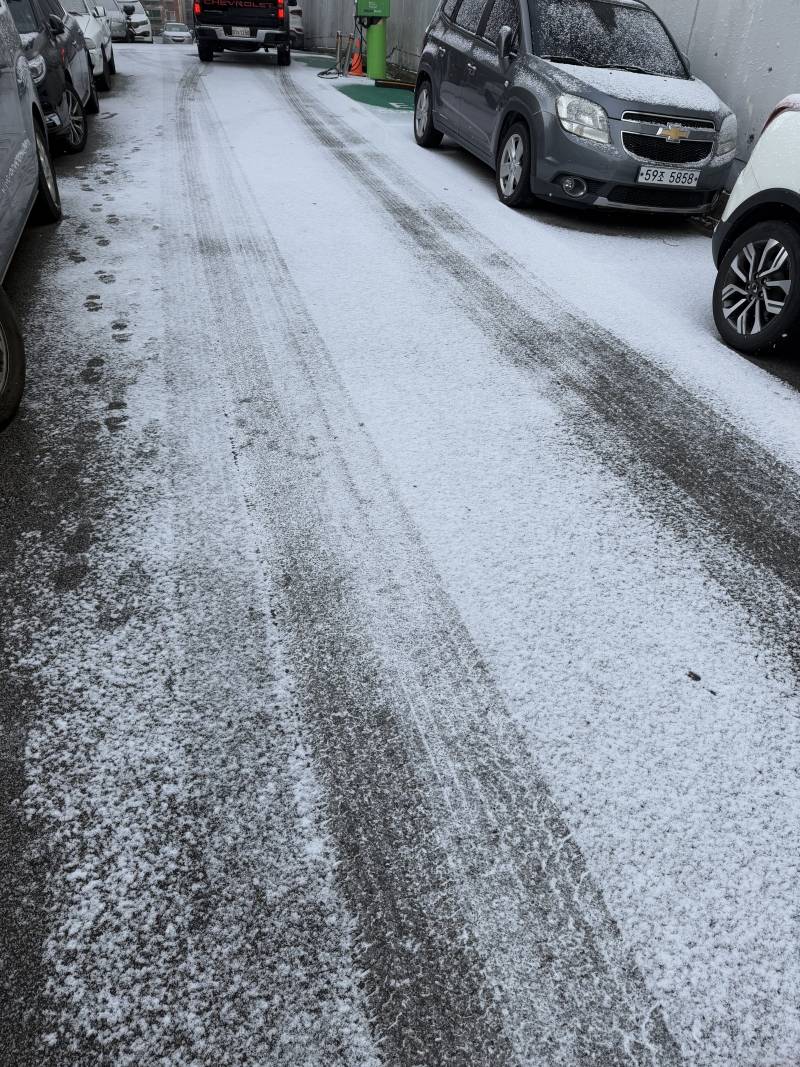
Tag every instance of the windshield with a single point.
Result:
(599, 33)
(23, 16)
(76, 7)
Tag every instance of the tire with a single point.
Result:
(513, 169)
(93, 103)
(205, 52)
(425, 132)
(74, 139)
(112, 62)
(47, 207)
(103, 81)
(284, 56)
(757, 292)
(12, 362)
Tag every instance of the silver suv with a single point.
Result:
(587, 102)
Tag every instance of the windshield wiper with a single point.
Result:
(565, 59)
(623, 66)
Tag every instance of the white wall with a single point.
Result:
(747, 50)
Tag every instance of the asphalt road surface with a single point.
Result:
(400, 610)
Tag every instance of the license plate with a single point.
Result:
(240, 31)
(683, 179)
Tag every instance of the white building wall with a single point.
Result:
(747, 50)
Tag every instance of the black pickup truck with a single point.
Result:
(242, 26)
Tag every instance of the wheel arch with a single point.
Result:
(517, 110)
(782, 205)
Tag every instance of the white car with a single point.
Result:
(757, 243)
(176, 33)
(96, 28)
(140, 23)
(297, 33)
(117, 20)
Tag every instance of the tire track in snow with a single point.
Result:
(189, 910)
(482, 936)
(707, 481)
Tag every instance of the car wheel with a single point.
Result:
(284, 57)
(47, 207)
(12, 362)
(513, 171)
(112, 62)
(425, 132)
(757, 293)
(93, 103)
(103, 81)
(205, 52)
(76, 128)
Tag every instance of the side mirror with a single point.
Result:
(129, 9)
(504, 46)
(56, 25)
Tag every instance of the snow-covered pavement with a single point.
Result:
(400, 613)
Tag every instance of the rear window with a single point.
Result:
(24, 16)
(596, 33)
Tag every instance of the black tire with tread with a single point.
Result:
(47, 207)
(112, 62)
(431, 137)
(284, 56)
(522, 194)
(783, 333)
(205, 52)
(103, 81)
(63, 143)
(12, 375)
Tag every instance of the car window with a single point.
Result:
(449, 7)
(468, 16)
(25, 17)
(503, 13)
(595, 33)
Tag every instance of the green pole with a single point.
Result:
(376, 50)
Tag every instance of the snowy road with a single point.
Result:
(401, 601)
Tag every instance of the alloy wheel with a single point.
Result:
(757, 286)
(511, 164)
(77, 121)
(422, 110)
(46, 167)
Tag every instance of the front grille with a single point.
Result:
(648, 196)
(668, 120)
(657, 150)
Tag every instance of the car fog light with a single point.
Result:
(574, 187)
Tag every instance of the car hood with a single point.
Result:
(622, 90)
(90, 27)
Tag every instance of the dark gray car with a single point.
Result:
(587, 102)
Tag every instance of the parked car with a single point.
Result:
(176, 33)
(586, 102)
(297, 33)
(117, 20)
(139, 28)
(96, 28)
(757, 243)
(28, 188)
(61, 67)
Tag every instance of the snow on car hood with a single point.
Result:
(651, 89)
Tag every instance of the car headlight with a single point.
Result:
(583, 118)
(728, 136)
(38, 69)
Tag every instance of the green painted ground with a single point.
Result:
(322, 62)
(396, 99)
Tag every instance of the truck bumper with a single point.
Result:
(222, 37)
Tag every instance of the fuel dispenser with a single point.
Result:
(373, 14)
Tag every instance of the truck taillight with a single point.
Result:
(197, 7)
(281, 12)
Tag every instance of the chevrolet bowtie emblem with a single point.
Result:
(673, 133)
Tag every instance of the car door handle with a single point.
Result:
(471, 68)
(442, 52)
